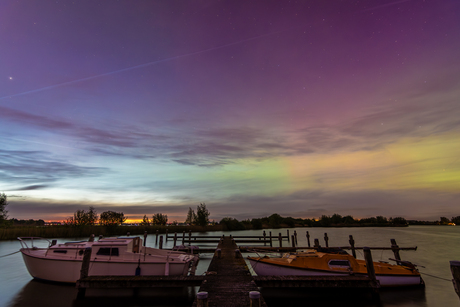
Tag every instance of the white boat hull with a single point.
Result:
(266, 269)
(68, 271)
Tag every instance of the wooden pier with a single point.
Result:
(228, 280)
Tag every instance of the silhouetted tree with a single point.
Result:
(83, 217)
(398, 220)
(256, 223)
(275, 220)
(456, 220)
(191, 217)
(202, 215)
(444, 220)
(111, 218)
(231, 224)
(3, 211)
(159, 219)
(145, 221)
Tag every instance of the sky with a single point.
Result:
(301, 108)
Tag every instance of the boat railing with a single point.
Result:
(32, 246)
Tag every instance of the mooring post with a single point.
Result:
(295, 236)
(395, 249)
(145, 238)
(317, 243)
(371, 271)
(254, 299)
(202, 299)
(175, 239)
(166, 239)
(280, 239)
(293, 241)
(271, 242)
(161, 243)
(183, 237)
(265, 242)
(352, 244)
(326, 239)
(287, 235)
(84, 271)
(369, 263)
(308, 239)
(455, 269)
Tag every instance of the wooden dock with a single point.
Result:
(228, 280)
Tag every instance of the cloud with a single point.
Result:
(38, 170)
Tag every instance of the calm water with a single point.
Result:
(437, 245)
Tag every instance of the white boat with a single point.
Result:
(314, 263)
(122, 256)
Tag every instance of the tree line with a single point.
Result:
(201, 218)
(336, 220)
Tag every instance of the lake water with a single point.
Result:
(437, 245)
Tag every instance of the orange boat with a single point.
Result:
(316, 263)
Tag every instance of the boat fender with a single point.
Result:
(138, 269)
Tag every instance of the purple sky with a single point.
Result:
(300, 108)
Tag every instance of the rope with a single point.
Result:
(9, 254)
(449, 280)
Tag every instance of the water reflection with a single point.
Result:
(38, 293)
(407, 297)
(41, 293)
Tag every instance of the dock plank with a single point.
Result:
(228, 280)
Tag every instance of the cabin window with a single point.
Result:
(339, 263)
(107, 251)
(60, 251)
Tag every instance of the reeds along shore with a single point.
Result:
(11, 233)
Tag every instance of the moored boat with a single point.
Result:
(316, 263)
(122, 256)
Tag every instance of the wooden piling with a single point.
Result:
(287, 230)
(326, 239)
(265, 243)
(455, 269)
(254, 299)
(175, 239)
(352, 245)
(166, 236)
(145, 238)
(293, 241)
(84, 271)
(280, 240)
(369, 263)
(371, 271)
(308, 239)
(395, 249)
(202, 299)
(295, 236)
(161, 243)
(271, 242)
(317, 243)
